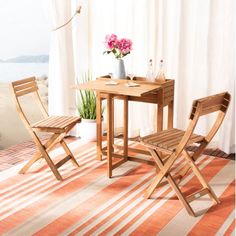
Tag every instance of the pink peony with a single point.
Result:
(125, 45)
(111, 41)
(119, 47)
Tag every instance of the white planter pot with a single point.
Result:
(87, 130)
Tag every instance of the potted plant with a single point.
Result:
(87, 110)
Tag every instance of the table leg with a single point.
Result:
(170, 115)
(160, 117)
(109, 134)
(112, 125)
(126, 115)
(99, 125)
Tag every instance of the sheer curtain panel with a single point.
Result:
(61, 61)
(195, 38)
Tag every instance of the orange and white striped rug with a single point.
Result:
(88, 203)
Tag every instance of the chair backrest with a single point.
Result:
(24, 87)
(207, 105)
(204, 106)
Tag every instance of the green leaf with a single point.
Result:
(86, 99)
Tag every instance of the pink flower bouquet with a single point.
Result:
(119, 47)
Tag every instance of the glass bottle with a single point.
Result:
(150, 73)
(161, 75)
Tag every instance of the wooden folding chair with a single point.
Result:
(166, 146)
(58, 126)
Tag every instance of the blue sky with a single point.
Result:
(24, 28)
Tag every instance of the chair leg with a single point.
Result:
(200, 177)
(180, 195)
(206, 185)
(50, 163)
(184, 171)
(44, 153)
(35, 158)
(69, 153)
(195, 156)
(154, 185)
(157, 180)
(162, 183)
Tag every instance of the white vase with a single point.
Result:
(119, 69)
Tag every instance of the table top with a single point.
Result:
(121, 88)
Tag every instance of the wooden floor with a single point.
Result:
(18, 153)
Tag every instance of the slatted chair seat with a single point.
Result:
(58, 126)
(168, 145)
(169, 139)
(55, 123)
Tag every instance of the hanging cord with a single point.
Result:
(61, 26)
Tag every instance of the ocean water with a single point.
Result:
(15, 71)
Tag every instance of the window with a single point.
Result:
(24, 49)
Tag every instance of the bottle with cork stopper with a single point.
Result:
(161, 75)
(150, 72)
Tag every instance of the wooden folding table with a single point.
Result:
(160, 93)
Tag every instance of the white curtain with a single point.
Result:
(195, 38)
(61, 61)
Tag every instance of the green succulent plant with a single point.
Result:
(86, 100)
